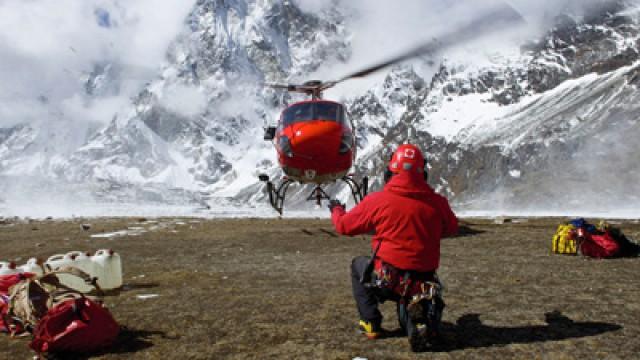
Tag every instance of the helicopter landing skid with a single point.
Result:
(277, 194)
(359, 191)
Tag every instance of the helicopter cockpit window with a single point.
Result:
(298, 113)
(328, 111)
(313, 111)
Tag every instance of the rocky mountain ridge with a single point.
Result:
(518, 131)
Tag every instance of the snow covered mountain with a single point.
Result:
(549, 127)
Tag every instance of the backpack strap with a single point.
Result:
(366, 275)
(406, 280)
(74, 271)
(21, 305)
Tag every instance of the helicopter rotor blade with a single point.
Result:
(304, 88)
(289, 87)
(329, 84)
(496, 19)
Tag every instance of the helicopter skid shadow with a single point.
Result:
(464, 230)
(329, 232)
(130, 286)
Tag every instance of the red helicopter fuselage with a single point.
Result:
(315, 141)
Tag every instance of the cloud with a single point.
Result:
(48, 48)
(185, 100)
(383, 29)
(313, 6)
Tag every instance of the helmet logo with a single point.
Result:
(409, 153)
(406, 154)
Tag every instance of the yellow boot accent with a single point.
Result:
(370, 330)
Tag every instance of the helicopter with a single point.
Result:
(315, 140)
(316, 144)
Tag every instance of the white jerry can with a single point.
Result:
(8, 268)
(108, 269)
(54, 262)
(82, 261)
(59, 261)
(34, 266)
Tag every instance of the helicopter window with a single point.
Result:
(328, 111)
(298, 113)
(313, 111)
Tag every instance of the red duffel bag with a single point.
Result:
(75, 326)
(600, 245)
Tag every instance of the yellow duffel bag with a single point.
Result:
(564, 241)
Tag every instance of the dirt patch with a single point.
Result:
(280, 288)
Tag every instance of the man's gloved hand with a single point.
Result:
(334, 203)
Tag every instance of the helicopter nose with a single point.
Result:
(316, 138)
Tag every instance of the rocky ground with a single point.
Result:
(280, 288)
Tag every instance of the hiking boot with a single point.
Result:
(419, 338)
(371, 329)
(417, 328)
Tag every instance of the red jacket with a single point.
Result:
(407, 216)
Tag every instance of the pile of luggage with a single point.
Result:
(59, 302)
(601, 241)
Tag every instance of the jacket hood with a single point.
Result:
(409, 184)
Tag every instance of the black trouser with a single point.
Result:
(368, 298)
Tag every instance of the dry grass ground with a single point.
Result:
(280, 288)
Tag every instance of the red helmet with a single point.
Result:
(407, 158)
